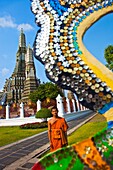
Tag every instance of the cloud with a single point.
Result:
(26, 27)
(5, 71)
(8, 22)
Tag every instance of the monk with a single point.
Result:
(57, 131)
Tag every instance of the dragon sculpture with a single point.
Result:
(58, 45)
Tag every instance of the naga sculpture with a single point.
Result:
(58, 45)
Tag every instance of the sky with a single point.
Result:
(16, 14)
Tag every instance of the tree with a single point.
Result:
(44, 91)
(108, 54)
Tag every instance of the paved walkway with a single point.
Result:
(23, 154)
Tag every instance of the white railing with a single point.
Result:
(59, 101)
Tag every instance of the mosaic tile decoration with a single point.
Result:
(58, 45)
(95, 153)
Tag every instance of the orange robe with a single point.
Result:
(58, 136)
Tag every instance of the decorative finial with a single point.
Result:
(21, 30)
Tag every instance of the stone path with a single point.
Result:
(23, 154)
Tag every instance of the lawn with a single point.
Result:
(13, 134)
(88, 130)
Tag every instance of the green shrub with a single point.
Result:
(34, 125)
(43, 113)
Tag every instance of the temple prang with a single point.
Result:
(23, 80)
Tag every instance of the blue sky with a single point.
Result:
(16, 14)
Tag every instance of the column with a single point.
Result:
(68, 105)
(60, 106)
(21, 110)
(7, 112)
(81, 107)
(38, 105)
(74, 108)
(78, 106)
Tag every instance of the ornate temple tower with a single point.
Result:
(23, 79)
(31, 81)
(18, 76)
